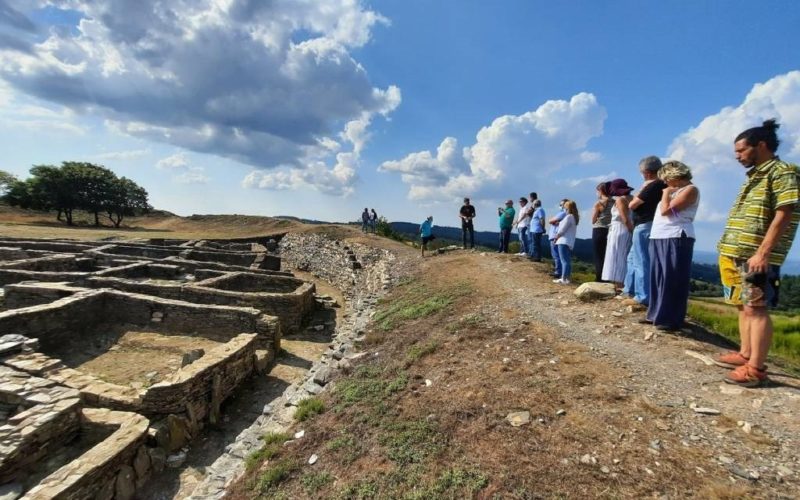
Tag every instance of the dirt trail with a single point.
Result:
(757, 429)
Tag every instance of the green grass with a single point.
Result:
(275, 474)
(308, 408)
(411, 442)
(417, 352)
(314, 481)
(272, 444)
(786, 336)
(347, 448)
(368, 386)
(417, 301)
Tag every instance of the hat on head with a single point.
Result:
(619, 187)
(509, 202)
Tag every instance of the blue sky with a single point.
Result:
(318, 109)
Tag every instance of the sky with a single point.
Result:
(319, 109)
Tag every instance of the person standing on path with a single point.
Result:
(758, 235)
(373, 220)
(506, 221)
(643, 205)
(554, 222)
(426, 233)
(522, 224)
(467, 213)
(537, 230)
(565, 240)
(601, 220)
(365, 220)
(619, 233)
(671, 247)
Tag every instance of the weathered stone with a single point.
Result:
(178, 432)
(158, 458)
(594, 291)
(192, 356)
(176, 460)
(10, 491)
(323, 375)
(141, 464)
(125, 488)
(106, 492)
(519, 418)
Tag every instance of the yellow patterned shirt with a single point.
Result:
(768, 186)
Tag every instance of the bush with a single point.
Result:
(307, 408)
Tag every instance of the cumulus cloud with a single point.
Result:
(708, 147)
(270, 84)
(513, 148)
(183, 172)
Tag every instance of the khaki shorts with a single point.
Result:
(741, 288)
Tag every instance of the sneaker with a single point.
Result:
(559, 280)
(565, 281)
(747, 376)
(730, 360)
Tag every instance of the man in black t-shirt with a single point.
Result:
(643, 205)
(467, 213)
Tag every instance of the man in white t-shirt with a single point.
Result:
(522, 224)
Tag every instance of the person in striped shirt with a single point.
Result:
(758, 235)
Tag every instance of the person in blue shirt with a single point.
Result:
(537, 230)
(426, 232)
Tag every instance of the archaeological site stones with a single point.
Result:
(115, 356)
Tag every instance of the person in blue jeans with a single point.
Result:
(536, 230)
(554, 222)
(565, 240)
(506, 221)
(643, 205)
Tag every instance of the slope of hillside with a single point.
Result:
(480, 378)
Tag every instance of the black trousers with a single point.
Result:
(599, 242)
(467, 226)
(505, 237)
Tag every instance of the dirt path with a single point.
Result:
(757, 429)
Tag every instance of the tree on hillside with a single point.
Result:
(126, 198)
(94, 185)
(81, 186)
(6, 181)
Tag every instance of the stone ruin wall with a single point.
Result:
(103, 284)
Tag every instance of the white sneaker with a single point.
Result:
(566, 282)
(521, 253)
(559, 280)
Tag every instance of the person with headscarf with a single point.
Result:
(619, 234)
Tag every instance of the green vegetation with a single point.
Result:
(359, 490)
(272, 444)
(368, 386)
(416, 352)
(76, 186)
(724, 319)
(384, 228)
(314, 481)
(308, 408)
(276, 473)
(347, 448)
(417, 301)
(411, 442)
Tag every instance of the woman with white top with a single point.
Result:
(522, 223)
(565, 240)
(671, 247)
(619, 234)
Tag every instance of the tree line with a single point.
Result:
(76, 186)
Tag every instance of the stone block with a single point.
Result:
(125, 487)
(594, 291)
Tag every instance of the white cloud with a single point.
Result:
(269, 84)
(183, 172)
(132, 154)
(176, 161)
(192, 175)
(512, 149)
(708, 147)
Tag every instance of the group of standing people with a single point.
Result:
(643, 242)
(369, 221)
